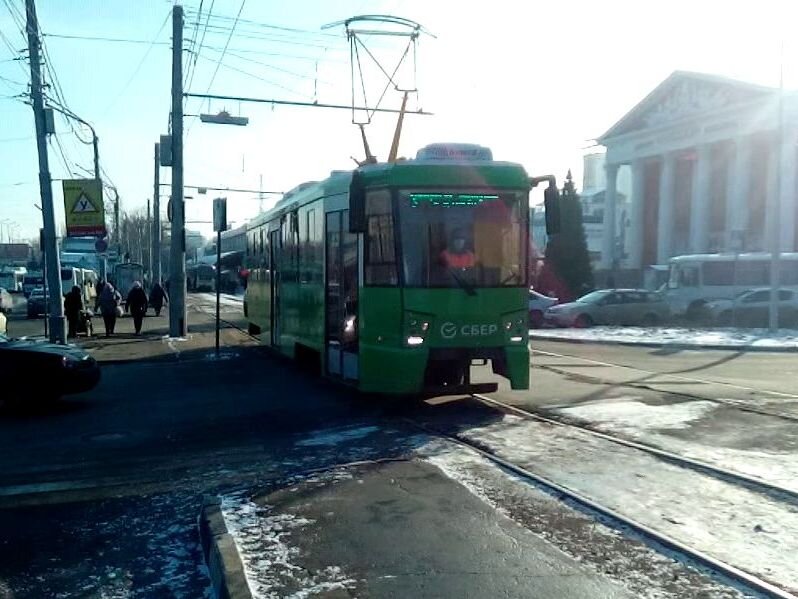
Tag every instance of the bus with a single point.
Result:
(694, 280)
(12, 278)
(349, 274)
(125, 274)
(201, 277)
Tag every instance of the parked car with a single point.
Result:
(538, 304)
(3, 324)
(752, 309)
(36, 303)
(6, 301)
(625, 307)
(40, 370)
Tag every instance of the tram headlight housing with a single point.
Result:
(416, 328)
(516, 328)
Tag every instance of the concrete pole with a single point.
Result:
(156, 220)
(148, 237)
(56, 312)
(177, 277)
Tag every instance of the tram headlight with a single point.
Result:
(515, 327)
(416, 328)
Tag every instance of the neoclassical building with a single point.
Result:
(710, 162)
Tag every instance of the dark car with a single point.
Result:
(36, 303)
(44, 371)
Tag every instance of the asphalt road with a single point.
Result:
(99, 495)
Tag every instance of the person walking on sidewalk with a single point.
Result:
(137, 304)
(158, 298)
(73, 305)
(109, 301)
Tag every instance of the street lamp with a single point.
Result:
(95, 139)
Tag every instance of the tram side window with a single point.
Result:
(380, 267)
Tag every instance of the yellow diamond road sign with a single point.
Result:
(83, 207)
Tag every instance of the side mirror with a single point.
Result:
(551, 202)
(357, 204)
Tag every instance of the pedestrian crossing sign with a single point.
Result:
(83, 207)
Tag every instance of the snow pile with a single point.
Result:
(263, 542)
(731, 338)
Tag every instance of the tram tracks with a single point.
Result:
(660, 541)
(647, 384)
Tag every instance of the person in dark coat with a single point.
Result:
(73, 305)
(158, 298)
(99, 291)
(137, 305)
(109, 301)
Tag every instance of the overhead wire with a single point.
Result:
(258, 77)
(275, 68)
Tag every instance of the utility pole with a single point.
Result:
(148, 237)
(156, 220)
(117, 232)
(56, 308)
(177, 276)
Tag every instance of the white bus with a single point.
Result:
(696, 279)
(11, 278)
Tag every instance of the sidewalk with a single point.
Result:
(154, 342)
(785, 340)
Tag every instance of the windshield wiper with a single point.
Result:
(467, 287)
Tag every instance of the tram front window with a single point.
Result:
(465, 239)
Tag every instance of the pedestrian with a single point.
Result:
(99, 291)
(109, 301)
(73, 305)
(158, 298)
(137, 304)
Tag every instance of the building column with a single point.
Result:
(701, 200)
(610, 193)
(739, 192)
(637, 212)
(787, 199)
(665, 216)
(771, 201)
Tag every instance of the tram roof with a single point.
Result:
(405, 173)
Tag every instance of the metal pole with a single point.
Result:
(56, 312)
(775, 209)
(148, 236)
(177, 288)
(218, 283)
(156, 220)
(94, 142)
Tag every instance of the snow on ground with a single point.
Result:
(504, 492)
(225, 299)
(334, 436)
(734, 524)
(263, 540)
(731, 338)
(640, 421)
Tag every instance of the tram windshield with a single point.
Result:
(465, 239)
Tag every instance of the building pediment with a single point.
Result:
(684, 95)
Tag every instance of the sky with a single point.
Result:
(536, 82)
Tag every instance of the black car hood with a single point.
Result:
(43, 347)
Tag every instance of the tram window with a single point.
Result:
(380, 267)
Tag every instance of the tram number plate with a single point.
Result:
(450, 330)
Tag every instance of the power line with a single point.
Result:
(258, 77)
(198, 49)
(274, 68)
(96, 38)
(139, 65)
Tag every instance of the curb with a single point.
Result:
(655, 345)
(221, 555)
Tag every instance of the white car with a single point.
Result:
(538, 304)
(6, 301)
(3, 324)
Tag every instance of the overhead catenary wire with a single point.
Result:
(258, 77)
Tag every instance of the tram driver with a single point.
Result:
(457, 254)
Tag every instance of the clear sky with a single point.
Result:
(535, 81)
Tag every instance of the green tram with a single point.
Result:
(395, 278)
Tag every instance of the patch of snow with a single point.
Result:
(335, 436)
(263, 542)
(711, 515)
(649, 424)
(628, 414)
(500, 488)
(684, 337)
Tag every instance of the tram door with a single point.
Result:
(341, 295)
(275, 261)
